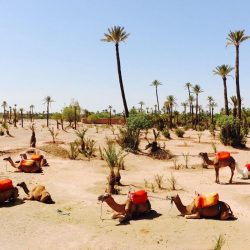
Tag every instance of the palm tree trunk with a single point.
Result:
(48, 115)
(212, 116)
(171, 117)
(196, 111)
(120, 80)
(156, 91)
(237, 81)
(225, 95)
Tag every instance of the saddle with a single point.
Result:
(5, 184)
(206, 200)
(138, 197)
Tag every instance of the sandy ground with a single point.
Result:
(74, 221)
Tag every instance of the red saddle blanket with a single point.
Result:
(206, 200)
(5, 184)
(223, 155)
(139, 196)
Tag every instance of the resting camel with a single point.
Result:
(31, 167)
(38, 193)
(230, 162)
(220, 211)
(127, 210)
(9, 195)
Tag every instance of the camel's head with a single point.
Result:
(21, 184)
(6, 158)
(202, 154)
(47, 199)
(172, 198)
(104, 197)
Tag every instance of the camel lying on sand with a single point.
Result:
(230, 162)
(220, 211)
(9, 195)
(38, 193)
(26, 166)
(127, 210)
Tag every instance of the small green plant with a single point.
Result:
(73, 150)
(186, 159)
(159, 179)
(172, 181)
(53, 133)
(166, 133)
(96, 129)
(199, 137)
(214, 147)
(220, 241)
(179, 132)
(152, 187)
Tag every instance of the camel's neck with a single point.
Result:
(25, 189)
(12, 163)
(180, 206)
(119, 208)
(207, 160)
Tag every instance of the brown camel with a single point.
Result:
(127, 210)
(229, 162)
(22, 166)
(38, 193)
(9, 195)
(220, 211)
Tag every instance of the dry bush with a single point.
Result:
(173, 182)
(73, 150)
(220, 241)
(186, 159)
(53, 134)
(159, 179)
(55, 150)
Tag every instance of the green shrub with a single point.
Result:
(179, 132)
(231, 131)
(73, 150)
(138, 121)
(166, 133)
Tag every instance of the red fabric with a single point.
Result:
(248, 166)
(5, 184)
(139, 197)
(223, 155)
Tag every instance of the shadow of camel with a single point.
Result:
(12, 203)
(236, 183)
(150, 216)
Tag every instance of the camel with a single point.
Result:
(230, 162)
(38, 193)
(220, 211)
(244, 172)
(127, 210)
(9, 195)
(32, 167)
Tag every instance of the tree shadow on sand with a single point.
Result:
(150, 216)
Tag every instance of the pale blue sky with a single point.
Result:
(53, 48)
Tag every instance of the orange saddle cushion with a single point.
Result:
(5, 184)
(36, 157)
(139, 196)
(206, 200)
(223, 155)
(26, 163)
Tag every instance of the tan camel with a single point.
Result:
(229, 162)
(127, 210)
(38, 193)
(220, 211)
(9, 195)
(32, 167)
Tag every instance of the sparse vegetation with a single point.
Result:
(220, 241)
(159, 179)
(73, 150)
(166, 133)
(53, 134)
(172, 181)
(186, 159)
(179, 132)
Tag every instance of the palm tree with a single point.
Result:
(234, 103)
(171, 100)
(223, 71)
(48, 100)
(4, 105)
(15, 115)
(191, 101)
(236, 38)
(197, 90)
(210, 100)
(141, 103)
(188, 86)
(184, 104)
(31, 111)
(10, 113)
(21, 111)
(156, 83)
(116, 35)
(110, 108)
(213, 105)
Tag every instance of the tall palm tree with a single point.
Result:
(184, 104)
(156, 83)
(48, 100)
(110, 108)
(21, 113)
(141, 104)
(223, 71)
(236, 38)
(197, 90)
(213, 105)
(188, 86)
(116, 35)
(171, 100)
(15, 115)
(10, 113)
(234, 103)
(4, 105)
(31, 111)
(210, 100)
(191, 101)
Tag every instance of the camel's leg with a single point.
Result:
(128, 211)
(232, 167)
(193, 216)
(117, 215)
(28, 197)
(217, 174)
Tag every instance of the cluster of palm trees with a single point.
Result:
(234, 38)
(11, 114)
